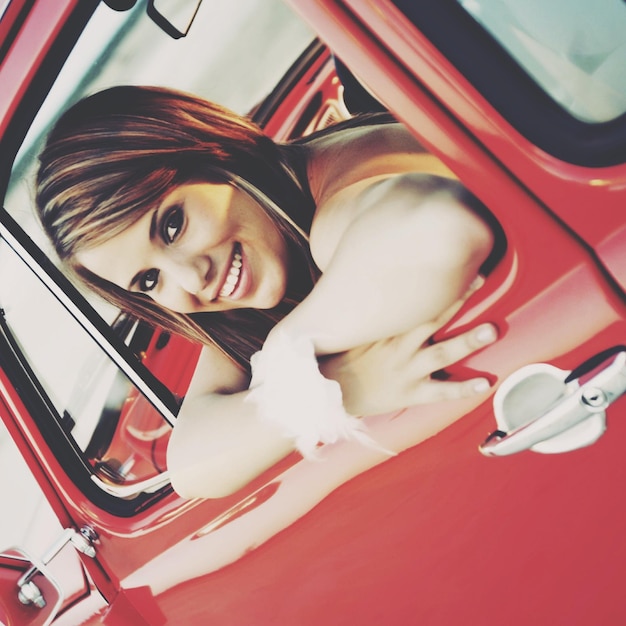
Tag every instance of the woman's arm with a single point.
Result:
(219, 443)
(407, 252)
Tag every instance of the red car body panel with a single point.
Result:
(38, 32)
(438, 534)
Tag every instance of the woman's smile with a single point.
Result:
(207, 247)
(235, 285)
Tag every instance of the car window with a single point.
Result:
(553, 70)
(117, 433)
(574, 49)
(233, 54)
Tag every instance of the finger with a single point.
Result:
(417, 336)
(412, 341)
(449, 351)
(442, 319)
(429, 391)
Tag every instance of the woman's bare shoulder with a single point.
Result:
(344, 164)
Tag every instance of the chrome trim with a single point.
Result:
(575, 416)
(129, 491)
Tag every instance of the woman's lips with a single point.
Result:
(234, 280)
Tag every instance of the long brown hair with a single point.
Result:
(117, 153)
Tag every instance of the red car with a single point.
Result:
(505, 511)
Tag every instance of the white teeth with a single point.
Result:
(233, 276)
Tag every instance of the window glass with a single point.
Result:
(235, 54)
(120, 435)
(20, 495)
(574, 49)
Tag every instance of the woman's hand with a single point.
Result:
(395, 373)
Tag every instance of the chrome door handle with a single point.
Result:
(546, 409)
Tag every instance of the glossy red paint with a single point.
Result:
(438, 534)
(13, 565)
(438, 530)
(294, 114)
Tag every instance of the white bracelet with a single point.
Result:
(291, 392)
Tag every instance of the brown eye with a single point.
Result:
(149, 280)
(172, 224)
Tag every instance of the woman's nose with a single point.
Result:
(190, 274)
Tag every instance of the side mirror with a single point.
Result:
(173, 20)
(28, 596)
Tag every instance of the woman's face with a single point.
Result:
(206, 247)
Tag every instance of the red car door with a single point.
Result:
(438, 534)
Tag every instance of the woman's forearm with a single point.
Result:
(219, 444)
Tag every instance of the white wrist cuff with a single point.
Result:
(291, 392)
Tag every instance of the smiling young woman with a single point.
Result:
(116, 155)
(192, 219)
(205, 248)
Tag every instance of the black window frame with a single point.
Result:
(511, 91)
